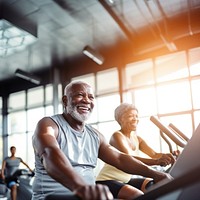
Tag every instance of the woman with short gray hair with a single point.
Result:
(127, 141)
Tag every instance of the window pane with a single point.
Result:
(171, 67)
(93, 118)
(17, 122)
(106, 106)
(140, 73)
(195, 93)
(30, 152)
(16, 101)
(60, 108)
(1, 105)
(174, 97)
(145, 101)
(49, 94)
(107, 81)
(1, 149)
(108, 128)
(149, 132)
(35, 96)
(182, 122)
(34, 115)
(60, 93)
(49, 111)
(1, 123)
(194, 55)
(196, 118)
(1, 119)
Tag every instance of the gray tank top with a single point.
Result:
(81, 149)
(12, 165)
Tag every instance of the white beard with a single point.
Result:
(76, 115)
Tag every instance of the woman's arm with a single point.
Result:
(162, 159)
(118, 140)
(127, 163)
(26, 165)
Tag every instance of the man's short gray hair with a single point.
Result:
(122, 109)
(67, 90)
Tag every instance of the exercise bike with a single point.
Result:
(186, 183)
(23, 179)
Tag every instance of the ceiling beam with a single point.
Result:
(120, 23)
(166, 40)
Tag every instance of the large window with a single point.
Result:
(171, 67)
(106, 106)
(107, 81)
(195, 93)
(139, 74)
(17, 122)
(165, 87)
(175, 97)
(25, 109)
(194, 61)
(17, 101)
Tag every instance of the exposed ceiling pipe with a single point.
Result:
(146, 19)
(117, 20)
(189, 17)
(169, 44)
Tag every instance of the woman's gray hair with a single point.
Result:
(122, 109)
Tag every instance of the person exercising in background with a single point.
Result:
(127, 141)
(10, 165)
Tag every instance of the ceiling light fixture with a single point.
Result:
(27, 76)
(94, 55)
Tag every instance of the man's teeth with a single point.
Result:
(83, 108)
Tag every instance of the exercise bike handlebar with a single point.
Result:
(172, 135)
(173, 127)
(64, 197)
(21, 172)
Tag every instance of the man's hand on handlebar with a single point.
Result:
(94, 192)
(163, 177)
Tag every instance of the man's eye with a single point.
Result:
(78, 96)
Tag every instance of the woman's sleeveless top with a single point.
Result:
(81, 149)
(109, 172)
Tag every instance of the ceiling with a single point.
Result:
(120, 30)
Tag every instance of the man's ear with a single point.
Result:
(64, 100)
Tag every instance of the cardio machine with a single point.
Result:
(24, 189)
(186, 183)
